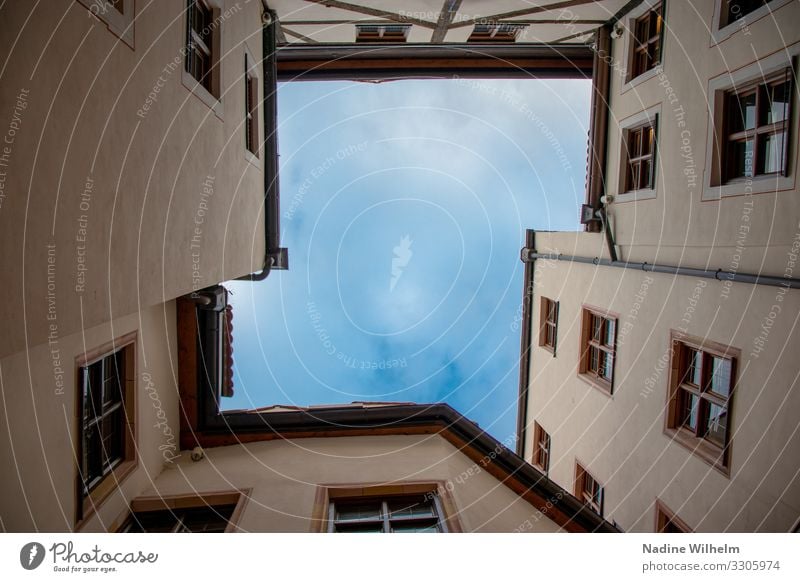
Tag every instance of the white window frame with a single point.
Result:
(628, 39)
(385, 519)
(717, 88)
(120, 24)
(720, 34)
(651, 115)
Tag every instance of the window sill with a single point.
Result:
(194, 86)
(547, 348)
(604, 387)
(635, 196)
(539, 468)
(252, 158)
(120, 24)
(770, 184)
(641, 78)
(701, 448)
(111, 483)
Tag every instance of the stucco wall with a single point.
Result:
(284, 476)
(620, 439)
(676, 226)
(38, 469)
(109, 163)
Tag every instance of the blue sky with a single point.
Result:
(404, 205)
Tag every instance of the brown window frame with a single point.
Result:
(588, 489)
(760, 130)
(173, 508)
(635, 156)
(667, 521)
(541, 448)
(681, 388)
(89, 495)
(548, 324)
(382, 32)
(591, 342)
(646, 44)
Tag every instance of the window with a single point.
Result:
(116, 14)
(548, 328)
(588, 490)
(733, 10)
(397, 514)
(495, 32)
(701, 388)
(647, 40)
(106, 410)
(200, 513)
(186, 520)
(668, 522)
(382, 32)
(203, 49)
(639, 145)
(756, 127)
(250, 105)
(541, 448)
(598, 348)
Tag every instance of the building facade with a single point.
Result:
(661, 378)
(138, 170)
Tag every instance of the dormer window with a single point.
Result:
(498, 32)
(389, 33)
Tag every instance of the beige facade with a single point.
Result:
(284, 479)
(39, 416)
(122, 187)
(125, 185)
(689, 218)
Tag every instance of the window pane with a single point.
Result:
(635, 143)
(716, 424)
(594, 359)
(112, 427)
(644, 175)
(770, 153)
(633, 176)
(647, 140)
(721, 376)
(742, 112)
(741, 160)
(207, 519)
(113, 371)
(597, 327)
(694, 363)
(609, 333)
(688, 413)
(414, 528)
(92, 454)
(411, 508)
(738, 8)
(608, 366)
(360, 511)
(776, 104)
(359, 528)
